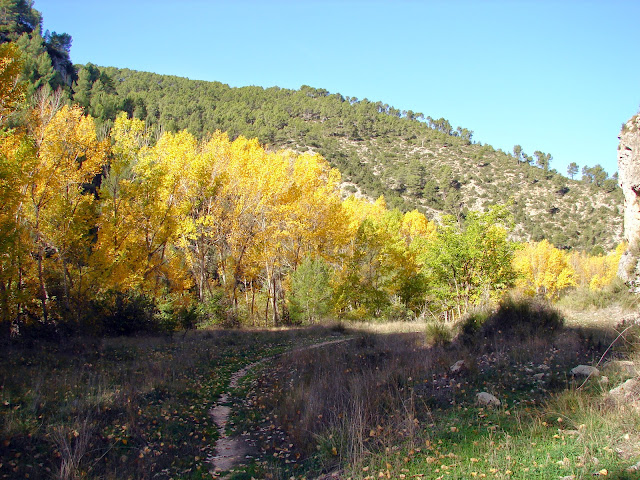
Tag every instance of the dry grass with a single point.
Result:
(606, 318)
(121, 408)
(384, 401)
(367, 409)
(383, 328)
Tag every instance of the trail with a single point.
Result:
(231, 451)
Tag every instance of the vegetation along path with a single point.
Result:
(231, 450)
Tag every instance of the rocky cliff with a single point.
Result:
(629, 175)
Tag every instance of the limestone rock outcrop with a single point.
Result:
(629, 176)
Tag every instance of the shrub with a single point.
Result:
(439, 332)
(397, 311)
(523, 318)
(473, 322)
(171, 318)
(514, 318)
(119, 313)
(309, 300)
(212, 310)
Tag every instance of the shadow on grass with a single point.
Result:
(139, 406)
(389, 405)
(130, 407)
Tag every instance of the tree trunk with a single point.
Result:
(44, 296)
(253, 300)
(275, 301)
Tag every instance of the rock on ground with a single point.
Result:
(458, 366)
(625, 366)
(585, 371)
(629, 389)
(487, 399)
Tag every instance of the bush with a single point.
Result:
(514, 318)
(473, 322)
(170, 318)
(310, 296)
(397, 312)
(120, 313)
(212, 311)
(523, 318)
(615, 293)
(439, 332)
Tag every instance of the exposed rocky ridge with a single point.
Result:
(629, 175)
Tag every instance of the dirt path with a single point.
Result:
(231, 451)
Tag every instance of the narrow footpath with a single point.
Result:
(230, 451)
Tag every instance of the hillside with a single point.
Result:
(413, 160)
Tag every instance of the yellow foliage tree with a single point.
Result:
(416, 226)
(596, 272)
(543, 269)
(16, 156)
(17, 267)
(58, 208)
(381, 264)
(117, 255)
(145, 198)
(253, 215)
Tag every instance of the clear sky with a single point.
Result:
(556, 76)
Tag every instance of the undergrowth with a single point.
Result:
(617, 293)
(389, 406)
(377, 405)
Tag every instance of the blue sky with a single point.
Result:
(555, 76)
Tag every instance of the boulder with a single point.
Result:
(487, 399)
(625, 366)
(629, 389)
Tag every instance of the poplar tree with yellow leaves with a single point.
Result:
(48, 214)
(59, 210)
(16, 156)
(145, 197)
(596, 271)
(381, 264)
(544, 270)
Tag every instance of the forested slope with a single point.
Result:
(413, 160)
